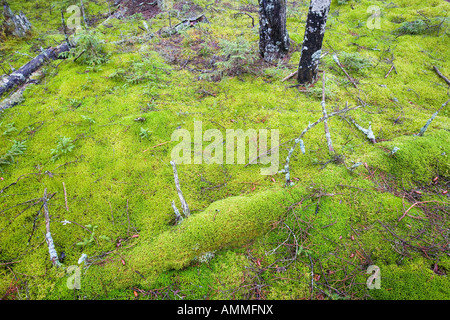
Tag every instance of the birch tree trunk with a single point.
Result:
(273, 35)
(312, 42)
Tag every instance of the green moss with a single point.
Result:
(123, 184)
(418, 158)
(230, 222)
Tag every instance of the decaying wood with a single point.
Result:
(183, 25)
(20, 76)
(184, 205)
(48, 235)
(16, 25)
(17, 97)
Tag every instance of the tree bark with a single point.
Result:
(312, 42)
(16, 25)
(273, 35)
(19, 77)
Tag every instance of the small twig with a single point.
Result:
(335, 58)
(441, 75)
(65, 196)
(83, 13)
(293, 74)
(325, 123)
(64, 28)
(390, 70)
(406, 212)
(128, 220)
(158, 145)
(74, 60)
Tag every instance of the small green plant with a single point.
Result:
(64, 146)
(17, 149)
(88, 50)
(144, 133)
(74, 103)
(412, 27)
(10, 128)
(238, 57)
(89, 240)
(354, 61)
(422, 26)
(150, 69)
(88, 120)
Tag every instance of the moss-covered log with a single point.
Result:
(230, 222)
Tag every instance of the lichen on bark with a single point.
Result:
(273, 35)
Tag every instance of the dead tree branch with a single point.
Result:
(325, 122)
(20, 76)
(425, 127)
(299, 140)
(184, 204)
(441, 75)
(48, 235)
(353, 81)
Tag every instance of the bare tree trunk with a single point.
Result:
(312, 42)
(16, 25)
(273, 35)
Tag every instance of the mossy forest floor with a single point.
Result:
(249, 236)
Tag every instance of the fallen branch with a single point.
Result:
(20, 76)
(390, 70)
(335, 58)
(368, 132)
(299, 140)
(48, 235)
(182, 25)
(293, 74)
(65, 196)
(245, 13)
(425, 127)
(184, 204)
(325, 123)
(441, 75)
